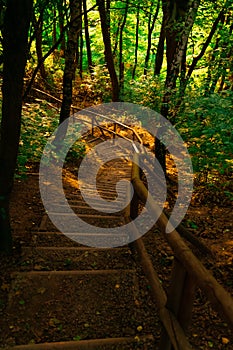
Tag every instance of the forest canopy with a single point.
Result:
(146, 39)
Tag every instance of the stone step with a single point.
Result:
(73, 258)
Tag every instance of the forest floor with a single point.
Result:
(209, 217)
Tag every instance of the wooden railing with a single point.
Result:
(188, 272)
(108, 124)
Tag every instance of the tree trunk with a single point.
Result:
(175, 54)
(108, 13)
(39, 45)
(79, 51)
(87, 37)
(15, 40)
(160, 50)
(61, 25)
(121, 65)
(108, 50)
(136, 44)
(116, 38)
(150, 31)
(54, 25)
(70, 59)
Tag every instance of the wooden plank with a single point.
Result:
(72, 273)
(93, 344)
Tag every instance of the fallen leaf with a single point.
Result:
(225, 340)
(41, 290)
(53, 322)
(5, 286)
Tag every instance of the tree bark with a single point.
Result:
(160, 50)
(79, 51)
(54, 25)
(87, 37)
(61, 25)
(39, 44)
(70, 59)
(136, 44)
(175, 54)
(121, 65)
(150, 31)
(116, 38)
(15, 40)
(108, 50)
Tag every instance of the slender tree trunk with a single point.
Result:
(136, 43)
(121, 65)
(80, 34)
(70, 58)
(108, 13)
(214, 82)
(61, 25)
(39, 45)
(15, 40)
(221, 85)
(116, 38)
(150, 31)
(206, 44)
(51, 50)
(160, 50)
(54, 26)
(211, 83)
(108, 50)
(87, 38)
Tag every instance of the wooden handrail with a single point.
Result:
(112, 120)
(95, 123)
(220, 298)
(171, 325)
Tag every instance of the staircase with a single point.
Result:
(70, 296)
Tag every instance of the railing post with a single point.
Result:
(114, 134)
(186, 305)
(135, 200)
(180, 301)
(134, 206)
(92, 127)
(173, 300)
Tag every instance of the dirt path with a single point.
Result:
(56, 290)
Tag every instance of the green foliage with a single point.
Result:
(38, 123)
(145, 91)
(101, 83)
(206, 125)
